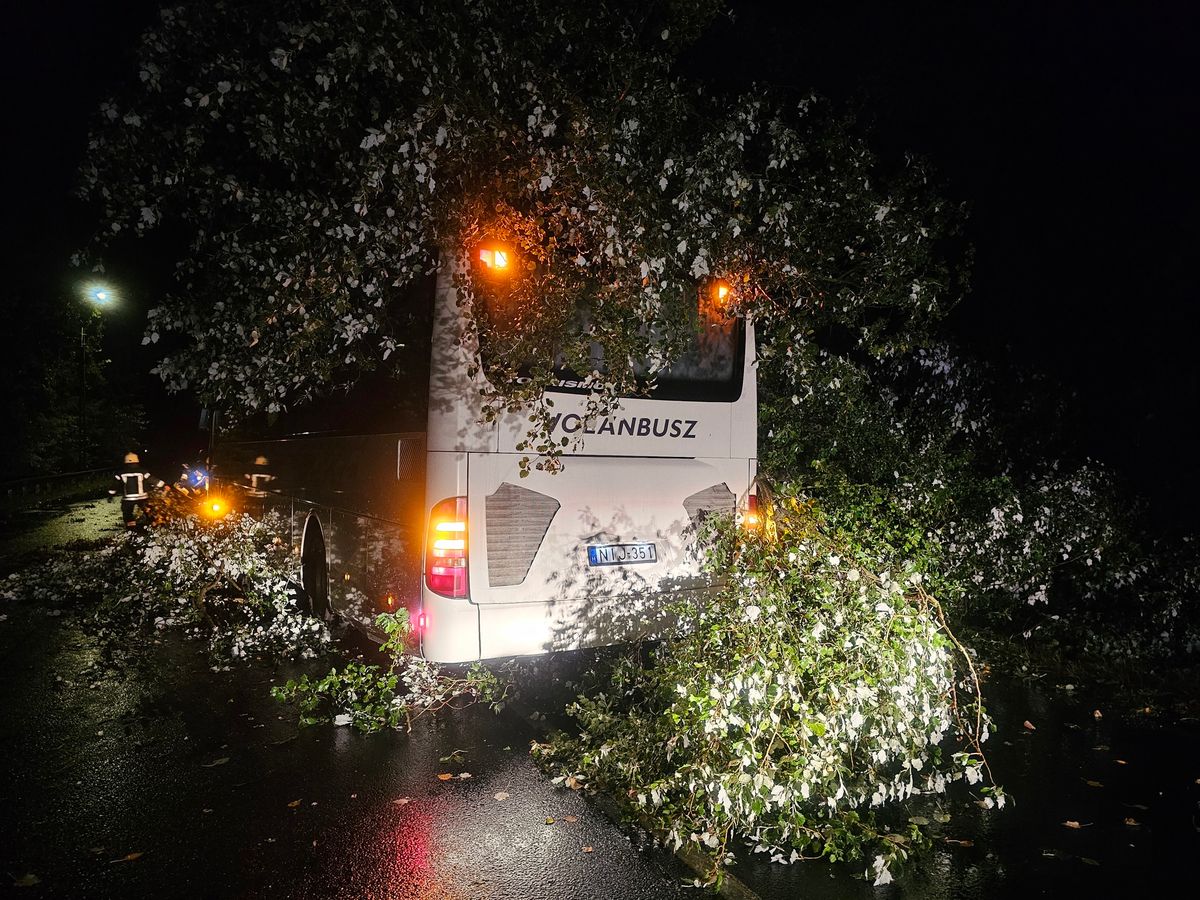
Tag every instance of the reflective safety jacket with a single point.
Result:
(257, 481)
(133, 484)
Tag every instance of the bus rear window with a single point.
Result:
(710, 369)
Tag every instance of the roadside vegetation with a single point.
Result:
(223, 581)
(227, 580)
(968, 473)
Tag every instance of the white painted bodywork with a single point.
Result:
(625, 483)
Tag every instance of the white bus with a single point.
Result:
(492, 564)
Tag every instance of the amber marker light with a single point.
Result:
(716, 297)
(495, 259)
(215, 508)
(751, 518)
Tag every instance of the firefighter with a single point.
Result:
(184, 482)
(199, 473)
(133, 488)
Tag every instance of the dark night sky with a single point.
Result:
(1069, 128)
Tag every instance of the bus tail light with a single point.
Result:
(446, 548)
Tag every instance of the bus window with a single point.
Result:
(709, 369)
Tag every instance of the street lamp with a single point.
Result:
(98, 296)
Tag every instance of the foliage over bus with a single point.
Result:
(315, 159)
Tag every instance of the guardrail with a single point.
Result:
(37, 487)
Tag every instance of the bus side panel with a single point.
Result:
(367, 492)
(374, 566)
(354, 472)
(451, 632)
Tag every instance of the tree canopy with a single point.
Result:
(315, 158)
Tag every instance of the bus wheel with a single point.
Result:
(314, 569)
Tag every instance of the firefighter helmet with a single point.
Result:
(131, 459)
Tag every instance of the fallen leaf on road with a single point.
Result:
(453, 757)
(1091, 783)
(294, 804)
(400, 801)
(1089, 861)
(1096, 714)
(549, 820)
(587, 849)
(1132, 822)
(574, 783)
(1101, 747)
(444, 776)
(27, 880)
(463, 776)
(570, 818)
(965, 842)
(1071, 823)
(1120, 762)
(500, 795)
(1029, 726)
(216, 762)
(128, 857)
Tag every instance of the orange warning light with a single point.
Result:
(495, 259)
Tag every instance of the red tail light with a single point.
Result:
(446, 548)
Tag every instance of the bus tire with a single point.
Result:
(314, 569)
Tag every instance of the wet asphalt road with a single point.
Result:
(150, 775)
(141, 772)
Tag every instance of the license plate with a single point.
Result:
(621, 554)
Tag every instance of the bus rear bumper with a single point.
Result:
(449, 629)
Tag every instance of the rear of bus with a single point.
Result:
(587, 556)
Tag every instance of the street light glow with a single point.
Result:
(98, 294)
